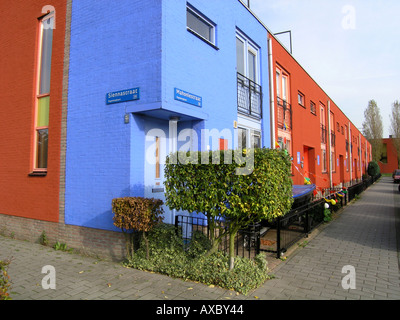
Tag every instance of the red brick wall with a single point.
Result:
(92, 242)
(306, 131)
(392, 162)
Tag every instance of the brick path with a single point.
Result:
(364, 236)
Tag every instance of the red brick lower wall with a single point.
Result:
(93, 242)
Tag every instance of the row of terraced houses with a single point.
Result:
(95, 94)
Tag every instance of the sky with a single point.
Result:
(350, 48)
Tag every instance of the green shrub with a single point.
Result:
(4, 280)
(242, 188)
(373, 169)
(327, 215)
(168, 256)
(62, 247)
(43, 240)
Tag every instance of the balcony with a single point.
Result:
(284, 115)
(333, 139)
(324, 134)
(249, 97)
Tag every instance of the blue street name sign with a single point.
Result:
(123, 96)
(189, 98)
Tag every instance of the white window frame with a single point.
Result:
(301, 99)
(206, 21)
(252, 128)
(249, 46)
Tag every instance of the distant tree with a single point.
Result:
(373, 169)
(395, 126)
(373, 129)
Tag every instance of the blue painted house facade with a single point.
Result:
(147, 78)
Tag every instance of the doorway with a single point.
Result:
(309, 163)
(341, 164)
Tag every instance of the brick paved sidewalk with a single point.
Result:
(364, 236)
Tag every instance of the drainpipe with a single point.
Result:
(330, 143)
(173, 147)
(360, 155)
(351, 154)
(271, 94)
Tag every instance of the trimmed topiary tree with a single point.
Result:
(239, 188)
(136, 214)
(373, 169)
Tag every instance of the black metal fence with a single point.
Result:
(275, 236)
(247, 242)
(360, 187)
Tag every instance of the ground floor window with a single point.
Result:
(249, 138)
(42, 139)
(324, 161)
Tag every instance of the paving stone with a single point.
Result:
(363, 236)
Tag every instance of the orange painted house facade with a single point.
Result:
(326, 148)
(389, 161)
(32, 68)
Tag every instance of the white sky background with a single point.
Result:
(350, 48)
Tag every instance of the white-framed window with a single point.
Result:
(248, 137)
(282, 84)
(255, 139)
(247, 58)
(242, 138)
(301, 99)
(324, 161)
(313, 108)
(199, 25)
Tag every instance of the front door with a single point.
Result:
(341, 164)
(309, 163)
(156, 151)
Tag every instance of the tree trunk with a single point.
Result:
(211, 230)
(232, 235)
(147, 244)
(128, 245)
(214, 248)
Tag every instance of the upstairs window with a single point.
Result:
(313, 109)
(301, 99)
(282, 84)
(200, 26)
(248, 77)
(247, 58)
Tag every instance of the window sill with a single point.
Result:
(203, 39)
(252, 116)
(37, 174)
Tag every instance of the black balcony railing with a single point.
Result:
(249, 97)
(324, 134)
(333, 139)
(284, 115)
